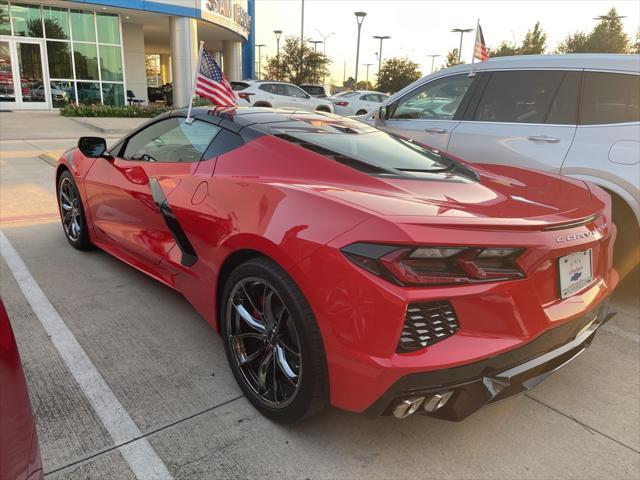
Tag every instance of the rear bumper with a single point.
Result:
(477, 384)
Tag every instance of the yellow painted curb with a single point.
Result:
(50, 158)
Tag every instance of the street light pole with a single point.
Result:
(359, 18)
(315, 45)
(260, 60)
(367, 65)
(324, 48)
(461, 31)
(278, 33)
(381, 38)
(301, 41)
(433, 57)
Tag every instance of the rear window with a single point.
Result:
(610, 98)
(362, 147)
(313, 89)
(235, 86)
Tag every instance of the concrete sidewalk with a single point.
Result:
(41, 125)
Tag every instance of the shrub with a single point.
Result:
(134, 111)
(111, 111)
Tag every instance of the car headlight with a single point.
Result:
(410, 265)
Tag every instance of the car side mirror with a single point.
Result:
(308, 96)
(383, 112)
(92, 147)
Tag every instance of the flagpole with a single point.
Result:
(472, 73)
(189, 120)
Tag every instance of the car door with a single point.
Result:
(367, 103)
(428, 112)
(525, 118)
(298, 98)
(123, 191)
(606, 148)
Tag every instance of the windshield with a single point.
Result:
(387, 153)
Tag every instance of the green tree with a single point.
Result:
(364, 85)
(296, 65)
(396, 73)
(636, 46)
(535, 41)
(505, 49)
(452, 59)
(607, 36)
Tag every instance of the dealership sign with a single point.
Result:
(229, 10)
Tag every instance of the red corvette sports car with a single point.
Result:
(343, 265)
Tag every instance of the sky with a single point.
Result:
(422, 27)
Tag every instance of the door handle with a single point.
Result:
(435, 130)
(543, 138)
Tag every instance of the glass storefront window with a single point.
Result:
(113, 94)
(56, 23)
(27, 20)
(7, 91)
(5, 25)
(62, 93)
(59, 55)
(89, 93)
(108, 28)
(110, 63)
(82, 26)
(86, 60)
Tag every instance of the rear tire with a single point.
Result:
(74, 223)
(323, 109)
(361, 112)
(273, 343)
(262, 104)
(626, 254)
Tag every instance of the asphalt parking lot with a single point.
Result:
(167, 369)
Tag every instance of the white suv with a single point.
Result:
(266, 93)
(577, 115)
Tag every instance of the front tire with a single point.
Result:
(72, 215)
(273, 343)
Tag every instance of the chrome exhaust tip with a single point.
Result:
(407, 407)
(437, 401)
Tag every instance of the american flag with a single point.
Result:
(480, 51)
(211, 84)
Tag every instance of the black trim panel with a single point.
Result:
(504, 375)
(189, 256)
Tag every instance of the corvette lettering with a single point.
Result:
(578, 236)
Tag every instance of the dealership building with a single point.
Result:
(111, 52)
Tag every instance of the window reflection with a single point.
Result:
(27, 21)
(59, 55)
(62, 93)
(56, 23)
(7, 92)
(88, 93)
(108, 29)
(110, 63)
(86, 60)
(113, 94)
(82, 26)
(5, 26)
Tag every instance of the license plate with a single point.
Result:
(575, 272)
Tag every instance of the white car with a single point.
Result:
(577, 115)
(359, 102)
(267, 93)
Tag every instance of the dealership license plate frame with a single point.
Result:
(571, 265)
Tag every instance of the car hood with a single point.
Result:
(500, 195)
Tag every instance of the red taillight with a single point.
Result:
(436, 265)
(245, 96)
(342, 104)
